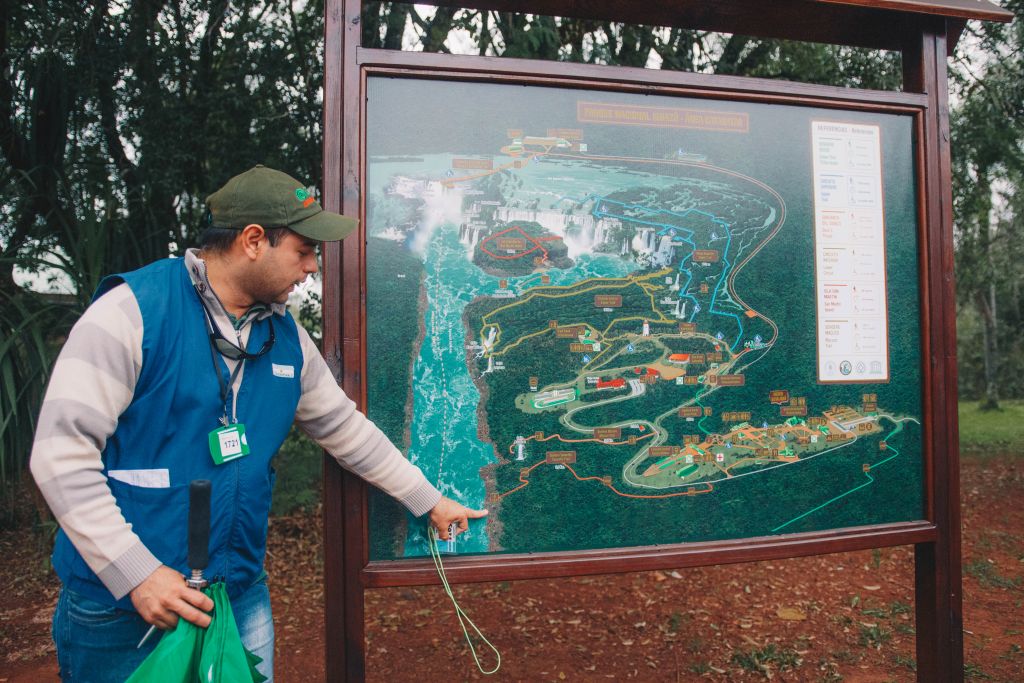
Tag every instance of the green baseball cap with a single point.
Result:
(274, 199)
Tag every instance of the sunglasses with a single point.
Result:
(232, 351)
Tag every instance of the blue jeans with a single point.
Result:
(97, 642)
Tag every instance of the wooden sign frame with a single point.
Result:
(923, 31)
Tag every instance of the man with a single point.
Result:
(188, 369)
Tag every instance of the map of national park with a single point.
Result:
(599, 316)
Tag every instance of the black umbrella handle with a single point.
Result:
(198, 528)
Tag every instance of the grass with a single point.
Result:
(988, 575)
(1013, 653)
(985, 433)
(760, 659)
(974, 671)
(904, 661)
(873, 635)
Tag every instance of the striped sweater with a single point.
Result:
(93, 382)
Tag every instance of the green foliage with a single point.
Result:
(988, 165)
(29, 328)
(299, 466)
(115, 123)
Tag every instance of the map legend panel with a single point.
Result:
(849, 253)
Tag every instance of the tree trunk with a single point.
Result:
(990, 347)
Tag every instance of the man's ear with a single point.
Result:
(251, 239)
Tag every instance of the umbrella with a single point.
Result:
(190, 654)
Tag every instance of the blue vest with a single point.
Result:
(175, 406)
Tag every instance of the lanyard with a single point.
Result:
(225, 389)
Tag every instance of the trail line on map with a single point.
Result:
(564, 440)
(867, 473)
(622, 283)
(606, 483)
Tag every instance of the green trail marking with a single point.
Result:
(700, 424)
(869, 482)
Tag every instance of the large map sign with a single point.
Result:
(626, 320)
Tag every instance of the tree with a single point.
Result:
(988, 154)
(116, 120)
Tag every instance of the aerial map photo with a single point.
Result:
(628, 320)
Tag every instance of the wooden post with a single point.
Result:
(344, 497)
(937, 564)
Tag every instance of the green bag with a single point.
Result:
(189, 654)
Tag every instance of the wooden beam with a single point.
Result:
(469, 569)
(807, 20)
(877, 24)
(629, 79)
(331, 345)
(939, 601)
(983, 10)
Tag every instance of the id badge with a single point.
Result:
(228, 443)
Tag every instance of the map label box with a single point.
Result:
(511, 244)
(608, 300)
(560, 457)
(572, 134)
(706, 256)
(474, 164)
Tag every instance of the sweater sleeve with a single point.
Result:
(330, 417)
(92, 383)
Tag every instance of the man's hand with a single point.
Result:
(447, 511)
(163, 597)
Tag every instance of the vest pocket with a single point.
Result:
(160, 518)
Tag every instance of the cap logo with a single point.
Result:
(304, 197)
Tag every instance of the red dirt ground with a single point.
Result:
(846, 617)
